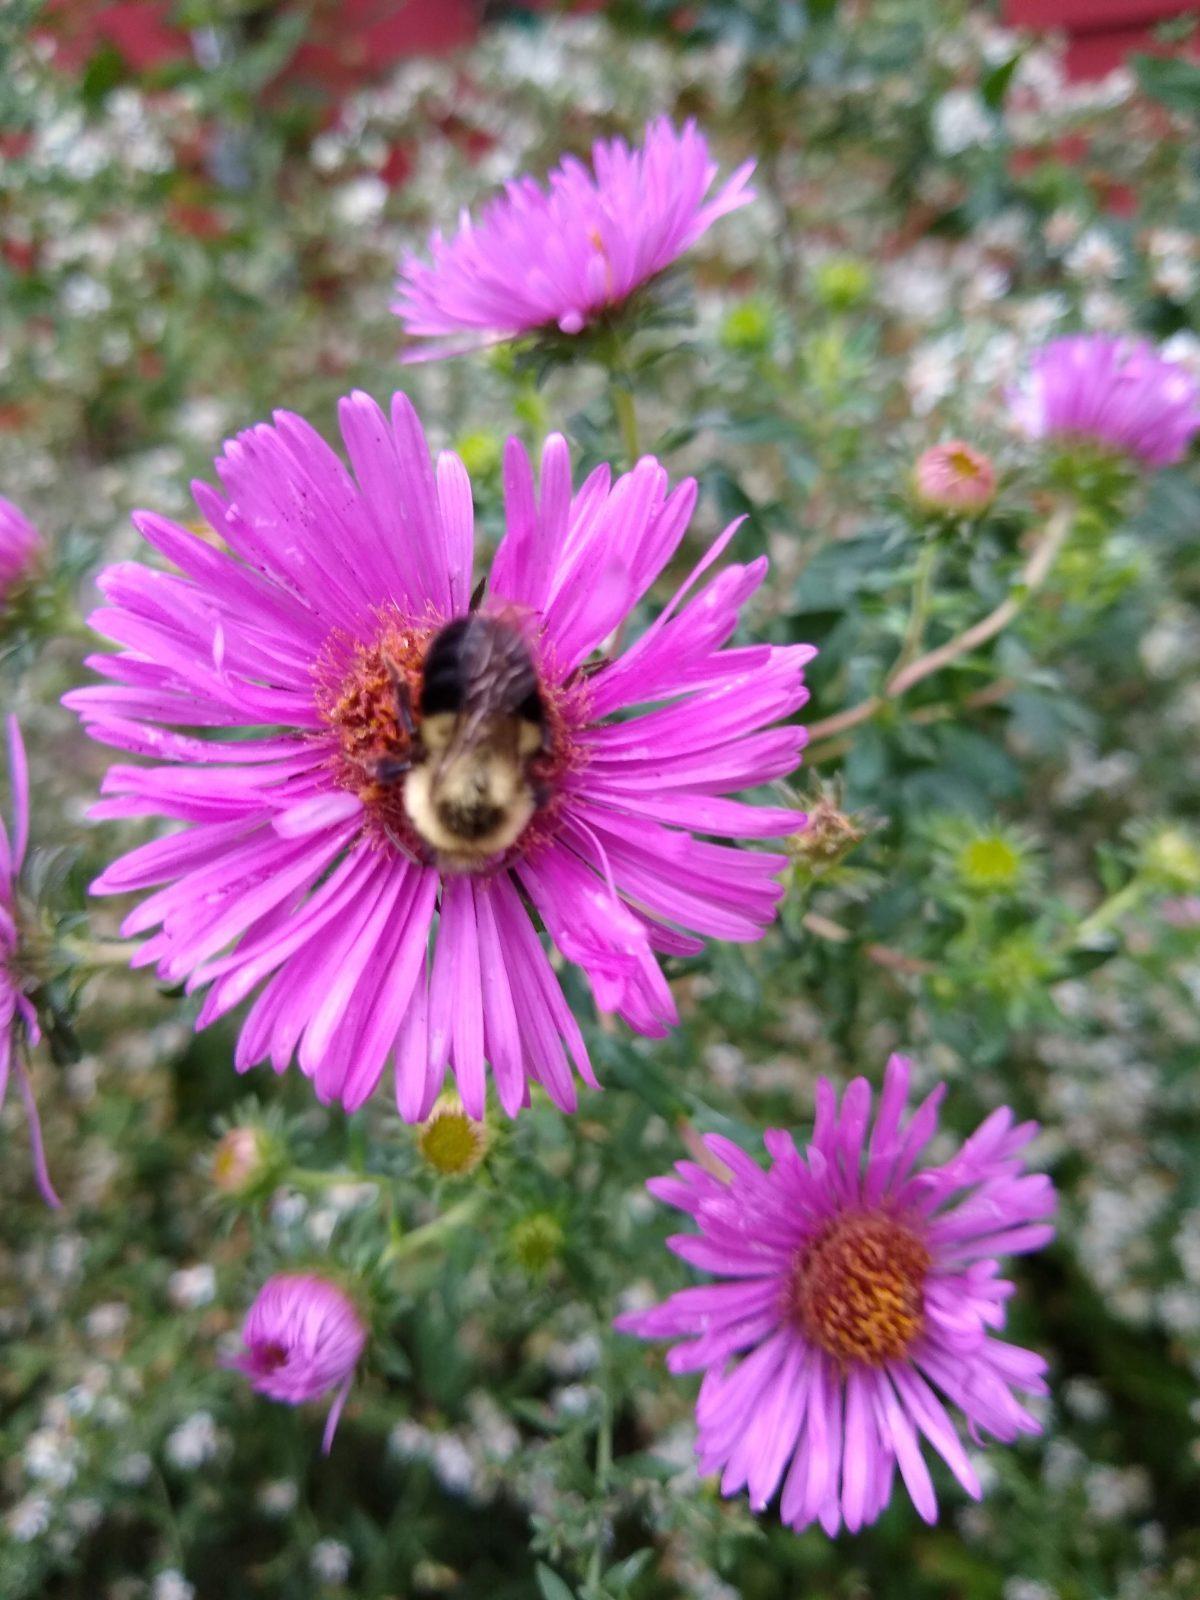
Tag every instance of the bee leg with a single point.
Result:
(405, 850)
(477, 597)
(386, 769)
(403, 698)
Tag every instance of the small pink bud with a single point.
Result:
(20, 545)
(955, 478)
(240, 1160)
(303, 1337)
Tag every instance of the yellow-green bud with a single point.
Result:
(841, 283)
(748, 328)
(479, 452)
(989, 861)
(536, 1242)
(1171, 858)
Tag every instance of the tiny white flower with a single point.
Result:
(192, 1287)
(1095, 257)
(134, 1469)
(961, 120)
(51, 1457)
(107, 1321)
(29, 1518)
(452, 1463)
(278, 1498)
(172, 1585)
(193, 1442)
(360, 201)
(330, 1561)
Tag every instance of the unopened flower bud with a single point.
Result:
(1170, 858)
(241, 1161)
(303, 1337)
(480, 453)
(20, 547)
(842, 282)
(954, 479)
(827, 837)
(746, 329)
(450, 1141)
(536, 1242)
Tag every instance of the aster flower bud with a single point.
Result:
(242, 1160)
(536, 1242)
(450, 1141)
(954, 479)
(1170, 859)
(303, 1338)
(20, 545)
(827, 838)
(842, 282)
(746, 329)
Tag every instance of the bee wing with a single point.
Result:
(500, 677)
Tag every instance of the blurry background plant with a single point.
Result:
(1005, 881)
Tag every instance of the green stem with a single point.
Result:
(626, 418)
(1108, 912)
(603, 1470)
(99, 952)
(918, 615)
(313, 1178)
(408, 1244)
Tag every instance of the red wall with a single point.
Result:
(1101, 33)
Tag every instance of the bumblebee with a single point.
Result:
(469, 791)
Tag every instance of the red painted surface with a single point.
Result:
(349, 42)
(1100, 33)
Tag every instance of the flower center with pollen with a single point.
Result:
(858, 1288)
(369, 696)
(357, 697)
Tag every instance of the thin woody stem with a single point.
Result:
(1037, 570)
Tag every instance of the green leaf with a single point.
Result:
(1171, 80)
(551, 1585)
(994, 85)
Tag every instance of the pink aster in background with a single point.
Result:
(303, 1338)
(859, 1290)
(20, 544)
(308, 865)
(1114, 392)
(19, 1029)
(557, 256)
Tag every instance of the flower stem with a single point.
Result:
(626, 419)
(1037, 569)
(1108, 911)
(408, 1244)
(99, 952)
(919, 611)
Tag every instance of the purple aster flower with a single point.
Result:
(303, 1338)
(856, 1286)
(367, 775)
(20, 544)
(1118, 393)
(19, 1030)
(557, 256)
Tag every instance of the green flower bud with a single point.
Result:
(841, 283)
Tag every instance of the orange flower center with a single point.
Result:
(857, 1289)
(965, 464)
